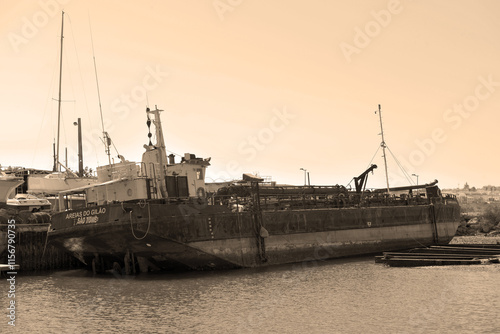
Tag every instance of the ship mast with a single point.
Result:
(160, 146)
(57, 163)
(106, 139)
(383, 147)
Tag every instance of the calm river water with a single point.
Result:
(338, 296)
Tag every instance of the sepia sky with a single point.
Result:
(264, 87)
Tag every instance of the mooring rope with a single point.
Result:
(46, 241)
(132, 226)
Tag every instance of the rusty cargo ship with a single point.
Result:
(157, 215)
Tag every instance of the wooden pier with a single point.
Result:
(32, 252)
(443, 255)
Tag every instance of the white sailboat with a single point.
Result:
(53, 183)
(57, 181)
(8, 183)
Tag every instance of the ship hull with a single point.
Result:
(197, 236)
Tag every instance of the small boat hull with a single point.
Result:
(28, 202)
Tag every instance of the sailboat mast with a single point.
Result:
(106, 138)
(383, 147)
(57, 164)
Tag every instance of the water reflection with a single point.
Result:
(339, 296)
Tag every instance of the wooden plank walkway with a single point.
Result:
(442, 255)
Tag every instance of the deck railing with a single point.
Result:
(311, 201)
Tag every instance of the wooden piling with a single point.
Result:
(31, 249)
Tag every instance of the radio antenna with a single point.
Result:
(107, 139)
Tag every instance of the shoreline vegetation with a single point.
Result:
(480, 223)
